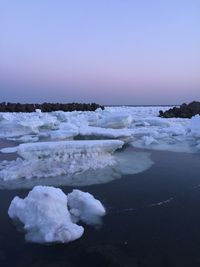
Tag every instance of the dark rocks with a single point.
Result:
(184, 111)
(48, 107)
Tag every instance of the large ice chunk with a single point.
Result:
(45, 216)
(42, 150)
(116, 121)
(49, 215)
(123, 162)
(194, 126)
(18, 124)
(50, 159)
(85, 207)
(123, 134)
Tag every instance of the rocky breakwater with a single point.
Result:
(184, 111)
(48, 107)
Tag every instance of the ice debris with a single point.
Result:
(48, 215)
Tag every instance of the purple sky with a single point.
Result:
(107, 51)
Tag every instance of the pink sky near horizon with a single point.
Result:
(116, 53)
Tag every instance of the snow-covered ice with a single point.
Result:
(42, 150)
(25, 138)
(19, 124)
(73, 163)
(122, 134)
(115, 121)
(194, 126)
(83, 206)
(46, 136)
(48, 215)
(124, 163)
(50, 159)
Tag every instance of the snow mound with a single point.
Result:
(46, 217)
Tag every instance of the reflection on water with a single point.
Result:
(152, 219)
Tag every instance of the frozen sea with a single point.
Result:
(143, 169)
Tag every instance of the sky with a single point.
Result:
(138, 52)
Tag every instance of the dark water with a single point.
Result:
(138, 230)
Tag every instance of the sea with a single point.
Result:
(152, 219)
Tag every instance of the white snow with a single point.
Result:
(115, 120)
(127, 162)
(63, 135)
(194, 126)
(18, 124)
(64, 148)
(83, 206)
(50, 159)
(50, 156)
(105, 132)
(47, 218)
(25, 138)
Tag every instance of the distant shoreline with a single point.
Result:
(48, 107)
(170, 106)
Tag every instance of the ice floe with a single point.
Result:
(105, 132)
(121, 163)
(49, 215)
(51, 154)
(115, 121)
(61, 149)
(43, 167)
(16, 124)
(25, 138)
(48, 159)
